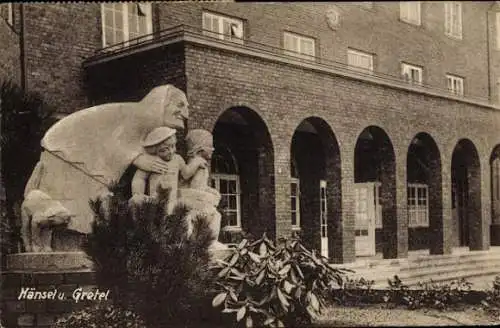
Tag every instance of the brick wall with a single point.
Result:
(377, 30)
(10, 65)
(494, 31)
(131, 78)
(218, 80)
(58, 38)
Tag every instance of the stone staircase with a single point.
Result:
(478, 267)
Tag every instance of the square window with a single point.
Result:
(411, 74)
(453, 19)
(498, 29)
(455, 84)
(123, 22)
(361, 61)
(222, 27)
(299, 45)
(10, 13)
(409, 12)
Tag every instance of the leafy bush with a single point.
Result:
(355, 292)
(145, 257)
(25, 118)
(268, 284)
(398, 293)
(430, 294)
(442, 295)
(102, 316)
(491, 301)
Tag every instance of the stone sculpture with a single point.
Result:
(85, 153)
(89, 150)
(40, 214)
(160, 142)
(197, 195)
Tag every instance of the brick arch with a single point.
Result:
(315, 149)
(375, 161)
(253, 109)
(494, 162)
(424, 176)
(245, 133)
(466, 190)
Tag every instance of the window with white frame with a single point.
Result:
(226, 180)
(411, 73)
(228, 186)
(299, 45)
(323, 211)
(222, 27)
(498, 29)
(455, 84)
(360, 61)
(453, 19)
(10, 13)
(498, 90)
(495, 166)
(418, 205)
(409, 12)
(295, 203)
(124, 21)
(378, 205)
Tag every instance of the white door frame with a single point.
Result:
(323, 217)
(365, 212)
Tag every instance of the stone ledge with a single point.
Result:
(50, 262)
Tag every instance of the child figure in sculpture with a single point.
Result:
(161, 142)
(198, 195)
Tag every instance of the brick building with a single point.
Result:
(368, 127)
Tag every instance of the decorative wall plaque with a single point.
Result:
(333, 17)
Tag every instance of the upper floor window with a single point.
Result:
(409, 11)
(498, 90)
(366, 4)
(496, 178)
(10, 14)
(411, 73)
(222, 27)
(498, 30)
(359, 60)
(299, 45)
(453, 19)
(124, 21)
(455, 84)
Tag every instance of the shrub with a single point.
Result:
(430, 294)
(102, 316)
(398, 293)
(145, 257)
(355, 292)
(442, 295)
(25, 117)
(268, 284)
(491, 301)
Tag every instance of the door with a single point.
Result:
(463, 217)
(365, 211)
(323, 218)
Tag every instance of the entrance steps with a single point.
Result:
(478, 267)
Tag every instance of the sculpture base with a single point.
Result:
(65, 240)
(52, 261)
(57, 272)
